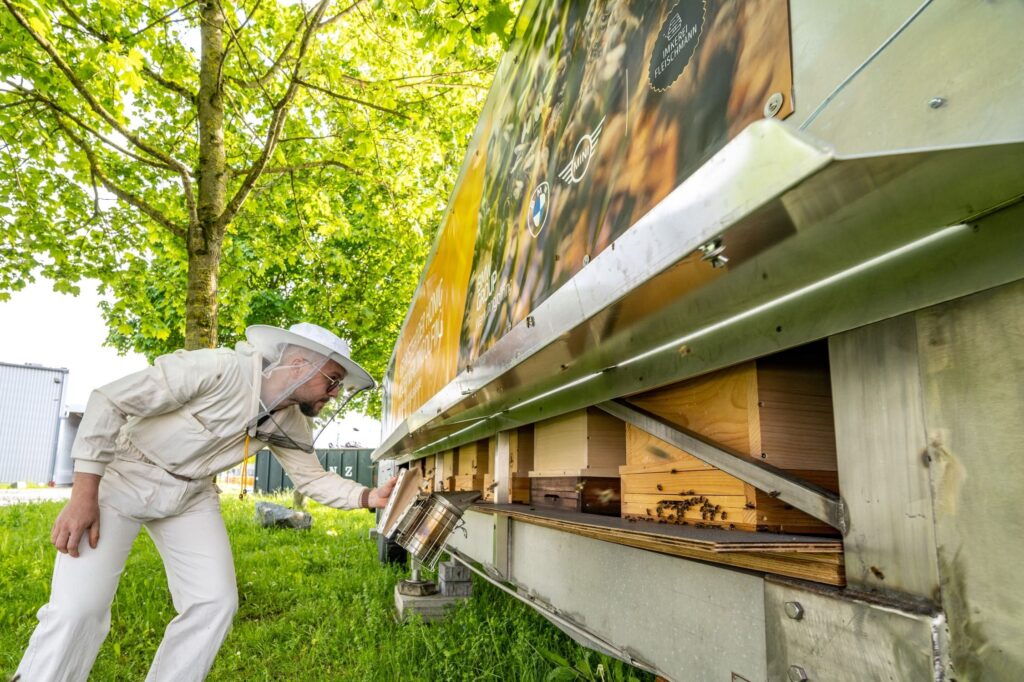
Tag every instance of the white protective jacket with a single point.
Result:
(189, 412)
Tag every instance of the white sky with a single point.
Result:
(46, 328)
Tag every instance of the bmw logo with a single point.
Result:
(538, 209)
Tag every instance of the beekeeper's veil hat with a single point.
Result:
(303, 349)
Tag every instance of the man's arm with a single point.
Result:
(172, 381)
(327, 487)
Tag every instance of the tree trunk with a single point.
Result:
(205, 237)
(201, 298)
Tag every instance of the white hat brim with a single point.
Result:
(266, 336)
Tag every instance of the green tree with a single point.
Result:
(216, 164)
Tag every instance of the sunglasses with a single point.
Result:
(332, 382)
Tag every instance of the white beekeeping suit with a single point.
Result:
(156, 438)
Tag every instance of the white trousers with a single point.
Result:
(183, 518)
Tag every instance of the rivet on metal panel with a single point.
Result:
(794, 610)
(936, 102)
(714, 252)
(797, 674)
(773, 105)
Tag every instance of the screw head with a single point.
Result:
(797, 674)
(794, 610)
(936, 102)
(773, 105)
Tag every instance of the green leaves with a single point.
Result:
(496, 20)
(336, 229)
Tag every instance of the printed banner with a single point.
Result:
(599, 110)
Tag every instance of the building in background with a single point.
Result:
(32, 417)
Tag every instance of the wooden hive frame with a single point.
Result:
(776, 410)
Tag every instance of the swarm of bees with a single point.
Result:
(674, 511)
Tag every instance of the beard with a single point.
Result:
(309, 409)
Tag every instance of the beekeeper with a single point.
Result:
(146, 453)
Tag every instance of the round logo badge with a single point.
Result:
(538, 209)
(676, 43)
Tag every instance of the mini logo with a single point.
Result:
(538, 209)
(581, 156)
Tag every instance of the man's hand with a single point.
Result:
(379, 496)
(80, 515)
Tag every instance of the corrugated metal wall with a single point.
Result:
(31, 401)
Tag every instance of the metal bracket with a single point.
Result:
(822, 504)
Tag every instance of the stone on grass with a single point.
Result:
(269, 515)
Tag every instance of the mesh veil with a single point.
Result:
(285, 368)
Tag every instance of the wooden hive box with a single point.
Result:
(466, 482)
(520, 463)
(576, 460)
(583, 443)
(776, 409)
(473, 463)
(427, 470)
(587, 494)
(445, 469)
(475, 458)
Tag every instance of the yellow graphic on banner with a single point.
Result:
(428, 349)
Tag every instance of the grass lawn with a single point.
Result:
(315, 605)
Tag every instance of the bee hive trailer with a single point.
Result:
(726, 314)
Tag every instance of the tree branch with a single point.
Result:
(277, 119)
(434, 76)
(304, 166)
(261, 81)
(338, 95)
(36, 96)
(339, 15)
(161, 19)
(101, 111)
(174, 87)
(128, 197)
